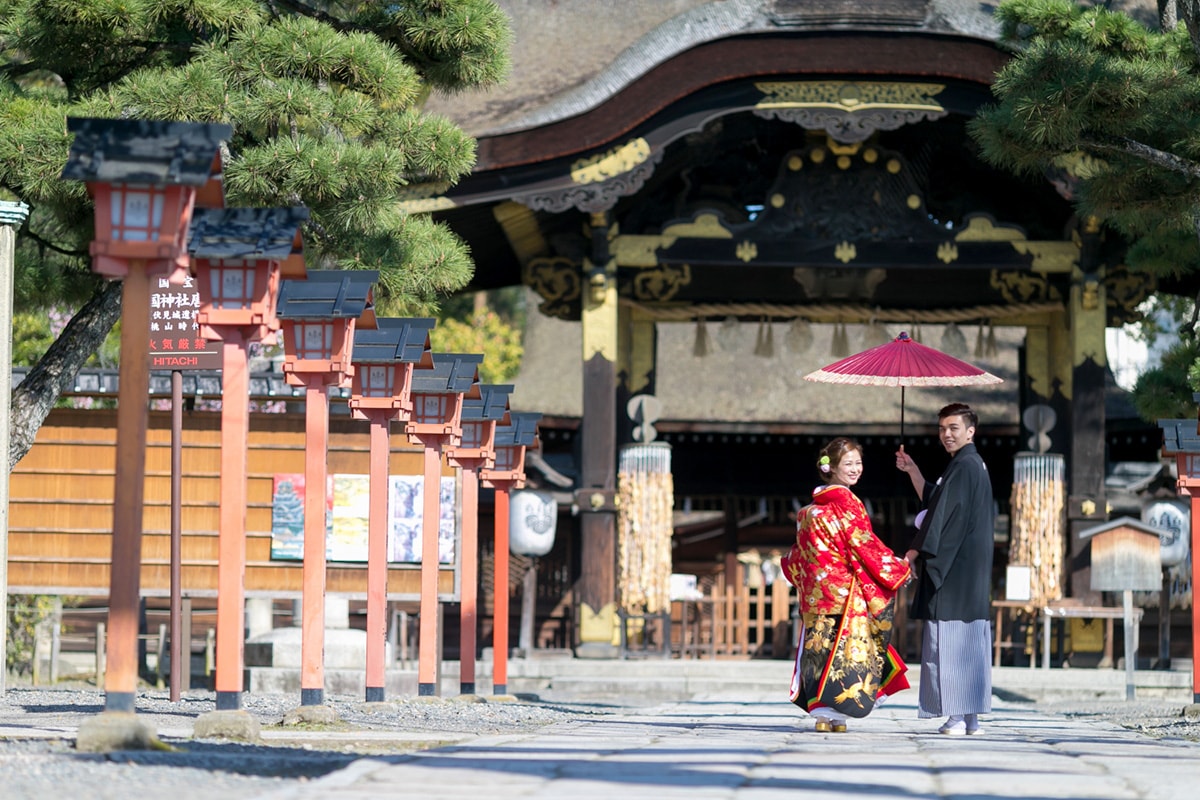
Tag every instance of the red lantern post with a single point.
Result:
(236, 255)
(1181, 439)
(383, 359)
(318, 317)
(436, 422)
(143, 176)
(508, 473)
(476, 451)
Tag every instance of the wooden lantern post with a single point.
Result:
(435, 423)
(383, 358)
(475, 452)
(143, 176)
(318, 316)
(508, 473)
(1181, 439)
(236, 257)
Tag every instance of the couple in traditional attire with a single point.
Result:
(848, 580)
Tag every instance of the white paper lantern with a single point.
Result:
(1173, 519)
(532, 517)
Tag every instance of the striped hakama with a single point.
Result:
(956, 668)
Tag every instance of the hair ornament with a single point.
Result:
(823, 464)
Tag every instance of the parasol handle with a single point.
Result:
(902, 416)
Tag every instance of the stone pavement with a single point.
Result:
(751, 745)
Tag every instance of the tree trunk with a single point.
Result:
(56, 371)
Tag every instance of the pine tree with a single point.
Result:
(1109, 108)
(325, 102)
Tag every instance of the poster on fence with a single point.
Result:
(405, 517)
(348, 515)
(287, 515)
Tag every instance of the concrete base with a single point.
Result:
(274, 680)
(596, 650)
(236, 725)
(345, 648)
(311, 715)
(110, 731)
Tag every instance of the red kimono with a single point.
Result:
(847, 581)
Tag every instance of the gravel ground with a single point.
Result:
(31, 768)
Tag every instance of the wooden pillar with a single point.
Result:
(312, 615)
(597, 523)
(1195, 556)
(637, 341)
(121, 660)
(231, 538)
(1087, 503)
(429, 645)
(377, 525)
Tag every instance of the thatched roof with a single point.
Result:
(568, 56)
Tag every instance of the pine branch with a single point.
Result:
(305, 10)
(1146, 153)
(45, 244)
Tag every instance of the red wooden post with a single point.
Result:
(468, 601)
(476, 451)
(1195, 516)
(377, 558)
(436, 423)
(312, 602)
(500, 593)
(429, 642)
(121, 673)
(231, 536)
(508, 473)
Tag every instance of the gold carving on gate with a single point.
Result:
(704, 226)
(1125, 290)
(557, 281)
(1023, 287)
(947, 252)
(849, 95)
(617, 161)
(747, 251)
(662, 282)
(845, 252)
(982, 228)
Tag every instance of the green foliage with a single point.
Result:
(324, 100)
(31, 336)
(25, 613)
(485, 332)
(1110, 108)
(1166, 391)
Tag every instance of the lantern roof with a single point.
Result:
(144, 151)
(252, 233)
(490, 406)
(403, 339)
(450, 373)
(1179, 436)
(325, 294)
(521, 431)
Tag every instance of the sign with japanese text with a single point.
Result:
(175, 340)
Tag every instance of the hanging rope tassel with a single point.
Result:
(702, 346)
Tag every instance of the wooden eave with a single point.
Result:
(917, 56)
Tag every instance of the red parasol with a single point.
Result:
(902, 362)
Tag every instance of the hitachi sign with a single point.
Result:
(174, 361)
